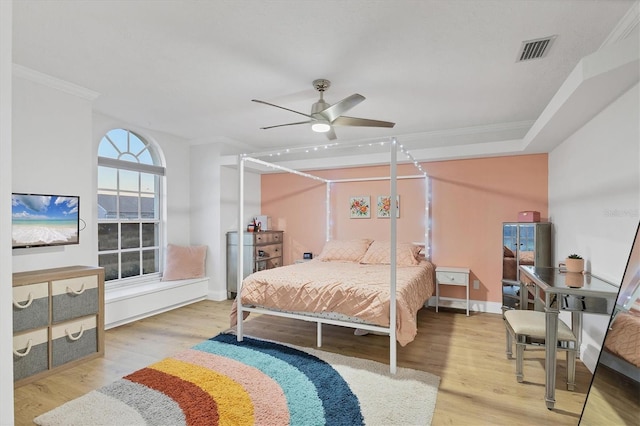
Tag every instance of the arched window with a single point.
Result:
(129, 205)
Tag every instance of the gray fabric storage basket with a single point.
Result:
(34, 362)
(67, 306)
(35, 315)
(65, 350)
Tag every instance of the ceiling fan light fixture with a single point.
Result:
(320, 126)
(324, 116)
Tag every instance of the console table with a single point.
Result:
(556, 291)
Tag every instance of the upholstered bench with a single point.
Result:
(526, 326)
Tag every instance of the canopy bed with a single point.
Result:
(621, 348)
(379, 287)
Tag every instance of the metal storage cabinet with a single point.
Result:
(530, 243)
(261, 250)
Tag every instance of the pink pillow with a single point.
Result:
(379, 252)
(347, 251)
(184, 262)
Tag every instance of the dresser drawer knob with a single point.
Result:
(26, 305)
(77, 293)
(70, 335)
(26, 350)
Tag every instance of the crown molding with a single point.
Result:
(596, 81)
(523, 126)
(485, 133)
(53, 82)
(626, 26)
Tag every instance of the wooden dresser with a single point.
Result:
(58, 320)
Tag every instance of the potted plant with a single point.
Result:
(574, 279)
(574, 263)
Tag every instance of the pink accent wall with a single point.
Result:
(470, 200)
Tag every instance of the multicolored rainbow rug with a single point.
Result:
(256, 382)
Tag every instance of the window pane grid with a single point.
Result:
(128, 209)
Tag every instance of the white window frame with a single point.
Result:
(154, 169)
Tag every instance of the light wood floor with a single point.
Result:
(614, 399)
(478, 384)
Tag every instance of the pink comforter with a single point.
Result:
(347, 288)
(623, 339)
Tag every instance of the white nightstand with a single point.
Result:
(301, 260)
(446, 275)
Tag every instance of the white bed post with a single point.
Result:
(392, 281)
(327, 238)
(240, 271)
(328, 212)
(427, 217)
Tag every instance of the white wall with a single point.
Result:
(229, 197)
(594, 199)
(48, 144)
(205, 213)
(55, 143)
(52, 154)
(6, 318)
(214, 209)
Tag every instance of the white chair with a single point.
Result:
(527, 327)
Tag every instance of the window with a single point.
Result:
(129, 205)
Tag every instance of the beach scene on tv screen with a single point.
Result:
(44, 220)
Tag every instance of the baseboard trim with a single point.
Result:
(127, 304)
(217, 296)
(474, 305)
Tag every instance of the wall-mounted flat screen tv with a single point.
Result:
(40, 220)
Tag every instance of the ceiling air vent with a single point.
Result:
(534, 49)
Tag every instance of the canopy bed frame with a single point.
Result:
(320, 320)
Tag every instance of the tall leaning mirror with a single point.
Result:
(614, 395)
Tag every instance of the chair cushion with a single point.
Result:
(532, 323)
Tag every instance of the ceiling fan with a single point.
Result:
(324, 116)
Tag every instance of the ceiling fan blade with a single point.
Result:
(277, 106)
(331, 135)
(288, 124)
(339, 108)
(354, 121)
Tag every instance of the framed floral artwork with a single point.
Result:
(360, 207)
(384, 206)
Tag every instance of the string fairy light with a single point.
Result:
(316, 148)
(362, 145)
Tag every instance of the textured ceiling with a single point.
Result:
(444, 71)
